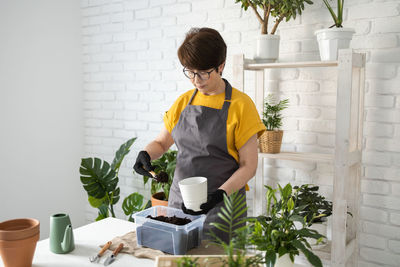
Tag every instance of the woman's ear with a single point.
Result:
(221, 68)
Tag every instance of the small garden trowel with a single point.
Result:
(111, 258)
(96, 258)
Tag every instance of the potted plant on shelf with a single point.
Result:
(100, 180)
(270, 141)
(267, 48)
(160, 191)
(276, 234)
(315, 212)
(335, 37)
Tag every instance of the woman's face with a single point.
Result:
(205, 85)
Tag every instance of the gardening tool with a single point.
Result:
(161, 177)
(111, 258)
(96, 258)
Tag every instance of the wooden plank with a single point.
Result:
(252, 65)
(299, 156)
(258, 196)
(339, 218)
(354, 158)
(238, 72)
(341, 167)
(259, 98)
(350, 248)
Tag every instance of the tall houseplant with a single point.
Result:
(276, 234)
(267, 49)
(271, 140)
(335, 37)
(166, 163)
(100, 180)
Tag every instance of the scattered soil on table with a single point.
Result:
(173, 220)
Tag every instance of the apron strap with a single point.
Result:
(228, 96)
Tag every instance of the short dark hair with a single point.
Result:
(202, 49)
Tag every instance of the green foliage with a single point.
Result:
(272, 117)
(187, 261)
(235, 227)
(166, 163)
(337, 18)
(100, 180)
(132, 204)
(276, 232)
(279, 9)
(316, 207)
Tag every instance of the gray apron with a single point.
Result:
(200, 136)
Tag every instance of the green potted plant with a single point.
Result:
(316, 210)
(276, 234)
(100, 181)
(270, 141)
(267, 48)
(160, 191)
(335, 37)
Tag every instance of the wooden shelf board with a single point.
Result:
(300, 156)
(250, 64)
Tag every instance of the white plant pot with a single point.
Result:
(267, 48)
(321, 228)
(284, 261)
(331, 40)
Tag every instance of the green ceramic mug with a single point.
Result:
(61, 235)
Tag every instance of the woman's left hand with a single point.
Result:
(212, 200)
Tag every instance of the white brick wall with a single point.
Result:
(132, 75)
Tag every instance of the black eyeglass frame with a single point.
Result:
(199, 75)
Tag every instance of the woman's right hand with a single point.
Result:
(143, 165)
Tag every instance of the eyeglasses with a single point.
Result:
(203, 75)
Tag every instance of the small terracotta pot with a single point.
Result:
(18, 240)
(156, 199)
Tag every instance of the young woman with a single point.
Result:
(214, 127)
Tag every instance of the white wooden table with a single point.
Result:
(87, 241)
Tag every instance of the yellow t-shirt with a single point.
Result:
(243, 119)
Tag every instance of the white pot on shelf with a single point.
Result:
(283, 261)
(321, 228)
(267, 48)
(331, 40)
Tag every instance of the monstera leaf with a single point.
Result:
(97, 177)
(121, 153)
(132, 203)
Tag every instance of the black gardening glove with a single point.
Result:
(212, 200)
(143, 165)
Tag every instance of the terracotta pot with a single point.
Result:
(18, 240)
(156, 199)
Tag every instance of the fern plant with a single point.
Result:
(272, 117)
(235, 227)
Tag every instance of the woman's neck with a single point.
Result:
(218, 89)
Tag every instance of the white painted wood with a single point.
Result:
(259, 99)
(348, 149)
(258, 194)
(252, 65)
(299, 156)
(238, 74)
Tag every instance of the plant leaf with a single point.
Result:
(121, 153)
(97, 177)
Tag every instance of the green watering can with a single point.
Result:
(61, 235)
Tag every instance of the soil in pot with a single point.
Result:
(173, 220)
